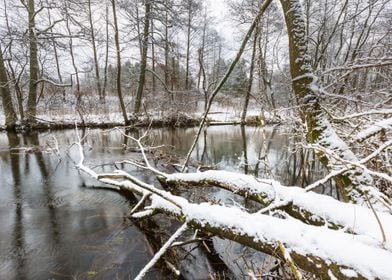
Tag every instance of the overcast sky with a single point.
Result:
(224, 24)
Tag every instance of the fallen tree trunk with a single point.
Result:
(309, 207)
(312, 248)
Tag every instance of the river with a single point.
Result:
(54, 226)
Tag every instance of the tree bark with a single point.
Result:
(143, 63)
(56, 57)
(105, 74)
(154, 86)
(188, 44)
(71, 52)
(356, 185)
(167, 67)
(96, 64)
(250, 82)
(318, 258)
(118, 53)
(34, 68)
(8, 107)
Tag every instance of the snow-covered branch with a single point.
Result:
(314, 248)
(310, 207)
(161, 251)
(373, 129)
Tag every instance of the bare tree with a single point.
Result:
(34, 68)
(143, 62)
(9, 111)
(118, 55)
(94, 47)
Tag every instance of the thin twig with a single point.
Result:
(161, 251)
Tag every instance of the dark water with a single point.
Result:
(54, 227)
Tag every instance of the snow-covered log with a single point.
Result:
(309, 207)
(318, 250)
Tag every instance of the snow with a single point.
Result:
(354, 218)
(374, 128)
(161, 251)
(219, 114)
(89, 118)
(332, 246)
(349, 273)
(361, 180)
(331, 275)
(371, 112)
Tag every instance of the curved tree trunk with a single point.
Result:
(356, 185)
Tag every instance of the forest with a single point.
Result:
(196, 139)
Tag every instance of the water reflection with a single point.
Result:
(18, 242)
(54, 229)
(52, 226)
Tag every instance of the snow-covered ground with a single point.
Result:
(224, 110)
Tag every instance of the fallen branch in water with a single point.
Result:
(312, 248)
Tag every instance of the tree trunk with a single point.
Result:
(201, 51)
(96, 64)
(249, 88)
(105, 74)
(8, 108)
(166, 44)
(188, 44)
(222, 81)
(56, 58)
(143, 63)
(34, 69)
(71, 52)
(357, 185)
(118, 52)
(154, 86)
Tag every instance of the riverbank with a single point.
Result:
(59, 122)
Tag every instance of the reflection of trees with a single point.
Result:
(26, 158)
(245, 149)
(204, 152)
(49, 198)
(19, 243)
(301, 168)
(264, 150)
(221, 145)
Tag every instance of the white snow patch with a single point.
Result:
(373, 129)
(349, 273)
(355, 218)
